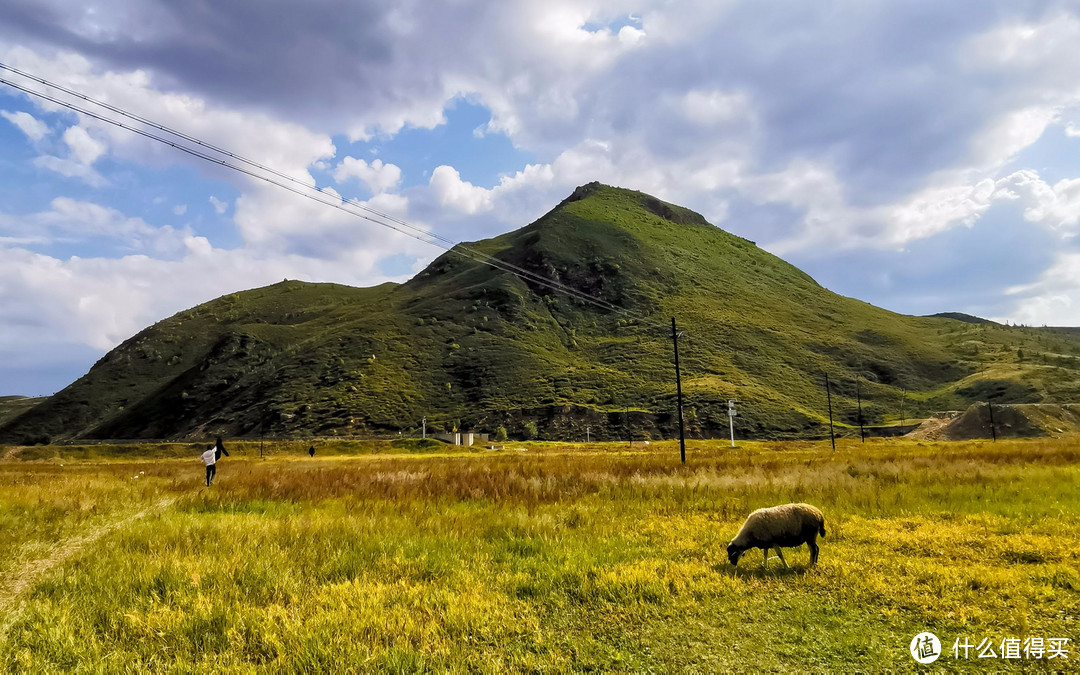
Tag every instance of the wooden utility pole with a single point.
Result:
(828, 396)
(903, 398)
(993, 431)
(858, 397)
(678, 392)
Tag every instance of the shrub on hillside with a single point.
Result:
(530, 431)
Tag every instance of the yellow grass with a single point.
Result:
(539, 557)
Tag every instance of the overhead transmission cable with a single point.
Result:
(396, 224)
(471, 253)
(215, 148)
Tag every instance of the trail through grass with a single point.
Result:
(17, 581)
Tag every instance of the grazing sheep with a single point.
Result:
(787, 525)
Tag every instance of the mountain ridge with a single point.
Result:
(470, 346)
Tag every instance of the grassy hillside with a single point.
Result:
(473, 347)
(13, 406)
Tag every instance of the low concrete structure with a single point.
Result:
(460, 438)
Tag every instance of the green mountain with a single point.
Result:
(469, 346)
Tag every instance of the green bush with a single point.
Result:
(530, 431)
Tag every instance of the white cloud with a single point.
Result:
(714, 107)
(84, 148)
(102, 301)
(455, 193)
(1011, 133)
(503, 76)
(83, 151)
(1056, 207)
(1045, 49)
(830, 221)
(70, 221)
(1054, 298)
(71, 168)
(283, 234)
(180, 209)
(630, 36)
(936, 209)
(267, 217)
(284, 146)
(278, 222)
(34, 128)
(378, 177)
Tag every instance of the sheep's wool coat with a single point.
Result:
(786, 525)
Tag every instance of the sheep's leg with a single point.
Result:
(764, 558)
(813, 551)
(781, 554)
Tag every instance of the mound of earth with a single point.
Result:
(1020, 420)
(933, 428)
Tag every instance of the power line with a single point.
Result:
(395, 224)
(292, 179)
(470, 253)
(212, 153)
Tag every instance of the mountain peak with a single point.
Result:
(467, 343)
(632, 198)
(581, 192)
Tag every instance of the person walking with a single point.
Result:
(311, 451)
(209, 458)
(219, 449)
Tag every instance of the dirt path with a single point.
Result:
(23, 578)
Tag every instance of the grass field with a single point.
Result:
(539, 557)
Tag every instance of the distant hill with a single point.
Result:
(13, 406)
(469, 346)
(960, 316)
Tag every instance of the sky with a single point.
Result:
(922, 156)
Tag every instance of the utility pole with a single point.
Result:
(903, 398)
(731, 419)
(828, 395)
(678, 394)
(858, 397)
(424, 423)
(262, 423)
(586, 433)
(629, 436)
(993, 431)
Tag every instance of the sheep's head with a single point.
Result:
(734, 553)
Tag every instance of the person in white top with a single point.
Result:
(209, 458)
